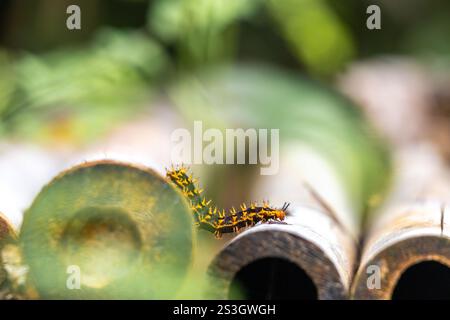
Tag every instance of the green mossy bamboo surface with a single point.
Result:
(128, 230)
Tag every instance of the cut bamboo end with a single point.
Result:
(407, 252)
(395, 261)
(123, 231)
(310, 255)
(410, 259)
(284, 261)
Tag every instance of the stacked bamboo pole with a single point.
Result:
(125, 229)
(123, 226)
(410, 228)
(316, 242)
(407, 242)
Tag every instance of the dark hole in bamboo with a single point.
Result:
(425, 280)
(272, 278)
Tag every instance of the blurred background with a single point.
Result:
(138, 69)
(71, 87)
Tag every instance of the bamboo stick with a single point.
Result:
(125, 228)
(21, 187)
(410, 228)
(310, 255)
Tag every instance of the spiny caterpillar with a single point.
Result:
(217, 221)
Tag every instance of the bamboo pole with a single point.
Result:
(125, 228)
(106, 214)
(409, 231)
(309, 256)
(410, 228)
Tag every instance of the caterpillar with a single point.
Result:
(212, 219)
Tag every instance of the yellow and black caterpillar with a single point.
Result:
(217, 221)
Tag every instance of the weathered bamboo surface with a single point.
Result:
(402, 99)
(411, 227)
(26, 171)
(318, 236)
(124, 227)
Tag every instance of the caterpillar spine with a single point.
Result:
(210, 218)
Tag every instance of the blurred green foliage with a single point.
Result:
(199, 28)
(7, 81)
(52, 87)
(314, 31)
(206, 30)
(261, 97)
(80, 91)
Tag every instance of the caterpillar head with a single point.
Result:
(281, 214)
